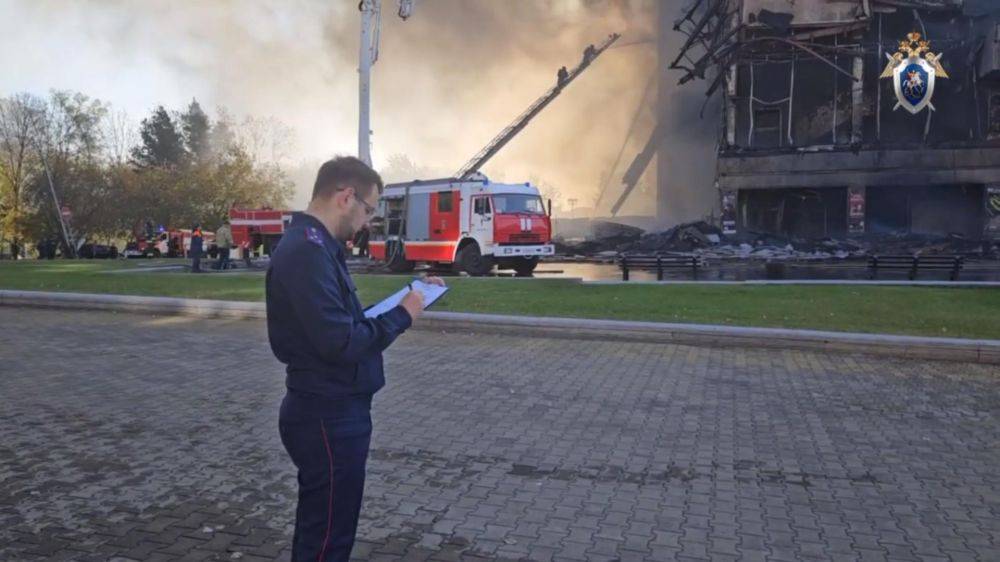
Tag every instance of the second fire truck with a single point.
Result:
(468, 221)
(257, 228)
(470, 224)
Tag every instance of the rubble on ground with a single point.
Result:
(686, 237)
(702, 239)
(606, 237)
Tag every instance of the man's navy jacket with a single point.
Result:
(315, 322)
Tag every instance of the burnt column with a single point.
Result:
(728, 206)
(855, 210)
(857, 101)
(731, 107)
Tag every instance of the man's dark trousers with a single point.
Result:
(328, 441)
(223, 262)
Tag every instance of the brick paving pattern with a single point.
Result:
(130, 437)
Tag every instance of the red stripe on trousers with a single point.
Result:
(329, 515)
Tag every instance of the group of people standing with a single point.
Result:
(223, 243)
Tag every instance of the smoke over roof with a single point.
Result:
(447, 80)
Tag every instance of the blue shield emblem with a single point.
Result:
(914, 83)
(913, 70)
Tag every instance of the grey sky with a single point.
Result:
(447, 80)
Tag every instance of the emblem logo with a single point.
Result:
(914, 70)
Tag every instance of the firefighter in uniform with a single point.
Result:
(317, 327)
(197, 245)
(246, 248)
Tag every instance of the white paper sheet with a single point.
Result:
(431, 294)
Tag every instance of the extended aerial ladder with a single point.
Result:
(506, 135)
(397, 223)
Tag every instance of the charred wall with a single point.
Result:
(925, 209)
(795, 100)
(815, 145)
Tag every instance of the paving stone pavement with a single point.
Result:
(131, 437)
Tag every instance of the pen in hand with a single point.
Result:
(413, 302)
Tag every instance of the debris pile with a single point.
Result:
(928, 245)
(702, 239)
(687, 237)
(606, 239)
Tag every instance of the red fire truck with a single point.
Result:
(472, 224)
(254, 228)
(251, 228)
(167, 243)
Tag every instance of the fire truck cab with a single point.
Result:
(472, 224)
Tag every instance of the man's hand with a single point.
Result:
(413, 302)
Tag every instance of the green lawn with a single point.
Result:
(953, 312)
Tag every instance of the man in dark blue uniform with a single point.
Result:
(333, 354)
(196, 248)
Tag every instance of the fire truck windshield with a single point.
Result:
(518, 203)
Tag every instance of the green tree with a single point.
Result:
(188, 171)
(197, 129)
(223, 134)
(236, 180)
(74, 126)
(20, 120)
(71, 148)
(162, 142)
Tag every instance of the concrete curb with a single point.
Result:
(825, 282)
(910, 347)
(128, 303)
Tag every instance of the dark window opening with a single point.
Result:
(767, 128)
(994, 123)
(795, 213)
(935, 210)
(888, 210)
(445, 201)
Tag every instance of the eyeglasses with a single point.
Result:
(369, 210)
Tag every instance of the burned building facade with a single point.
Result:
(846, 118)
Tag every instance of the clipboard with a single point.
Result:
(431, 294)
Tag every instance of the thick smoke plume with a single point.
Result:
(448, 79)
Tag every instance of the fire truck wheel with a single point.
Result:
(474, 262)
(154, 254)
(402, 266)
(525, 266)
(399, 263)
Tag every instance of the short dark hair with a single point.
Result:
(343, 172)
